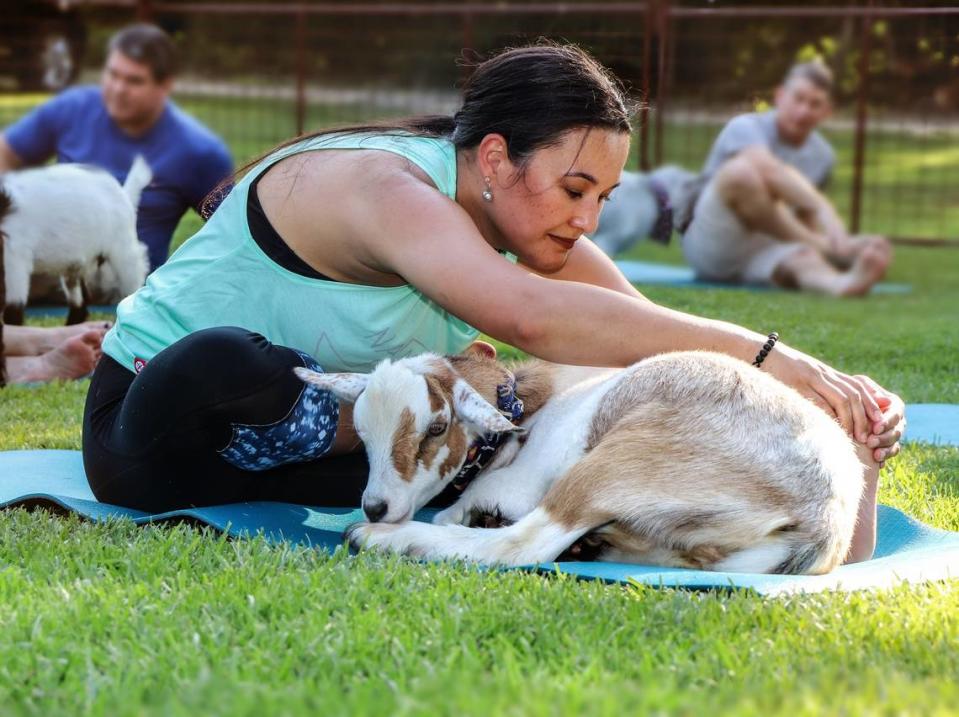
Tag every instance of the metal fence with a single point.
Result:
(258, 73)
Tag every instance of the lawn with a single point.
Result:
(110, 619)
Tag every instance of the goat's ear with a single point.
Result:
(476, 410)
(345, 386)
(481, 348)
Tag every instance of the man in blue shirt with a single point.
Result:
(129, 114)
(762, 218)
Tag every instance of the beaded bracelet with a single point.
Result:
(767, 347)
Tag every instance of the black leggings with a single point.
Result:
(155, 440)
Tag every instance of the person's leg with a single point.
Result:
(716, 244)
(218, 417)
(864, 537)
(73, 358)
(768, 197)
(850, 248)
(38, 340)
(808, 270)
(774, 201)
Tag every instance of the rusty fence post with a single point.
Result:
(663, 14)
(144, 11)
(862, 108)
(649, 24)
(300, 107)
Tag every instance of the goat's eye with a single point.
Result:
(436, 429)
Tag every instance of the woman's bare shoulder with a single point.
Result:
(337, 209)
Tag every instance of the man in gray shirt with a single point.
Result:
(761, 218)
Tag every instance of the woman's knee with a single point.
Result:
(212, 346)
(220, 358)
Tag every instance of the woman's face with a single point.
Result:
(540, 214)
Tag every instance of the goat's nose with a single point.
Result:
(375, 510)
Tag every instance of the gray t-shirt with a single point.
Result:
(814, 158)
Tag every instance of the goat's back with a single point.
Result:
(730, 405)
(737, 435)
(65, 214)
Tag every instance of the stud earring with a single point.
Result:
(488, 192)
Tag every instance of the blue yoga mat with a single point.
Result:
(907, 551)
(61, 311)
(642, 272)
(933, 423)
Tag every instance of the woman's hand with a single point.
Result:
(887, 431)
(870, 414)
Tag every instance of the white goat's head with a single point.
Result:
(417, 418)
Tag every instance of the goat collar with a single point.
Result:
(662, 230)
(482, 451)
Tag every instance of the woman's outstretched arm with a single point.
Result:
(434, 245)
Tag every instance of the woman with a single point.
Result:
(345, 248)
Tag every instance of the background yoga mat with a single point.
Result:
(933, 423)
(49, 310)
(908, 551)
(641, 272)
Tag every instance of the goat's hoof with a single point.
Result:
(363, 536)
(398, 538)
(355, 535)
(454, 515)
(13, 314)
(488, 518)
(77, 315)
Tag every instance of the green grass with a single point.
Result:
(110, 619)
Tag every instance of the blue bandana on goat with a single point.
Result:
(482, 451)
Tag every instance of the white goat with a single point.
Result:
(74, 222)
(689, 459)
(646, 205)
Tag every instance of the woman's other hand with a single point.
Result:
(869, 413)
(887, 431)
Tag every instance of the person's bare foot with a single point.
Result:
(57, 335)
(74, 358)
(867, 269)
(38, 340)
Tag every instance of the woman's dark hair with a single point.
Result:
(531, 95)
(534, 95)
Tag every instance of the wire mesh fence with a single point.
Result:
(258, 73)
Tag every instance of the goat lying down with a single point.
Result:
(688, 459)
(74, 222)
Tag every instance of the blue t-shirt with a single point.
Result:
(186, 158)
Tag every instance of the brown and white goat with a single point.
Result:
(689, 459)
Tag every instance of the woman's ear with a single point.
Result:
(492, 157)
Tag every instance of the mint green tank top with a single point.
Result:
(220, 277)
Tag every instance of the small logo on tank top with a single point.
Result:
(138, 364)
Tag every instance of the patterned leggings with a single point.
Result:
(218, 417)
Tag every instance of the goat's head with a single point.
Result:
(417, 418)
